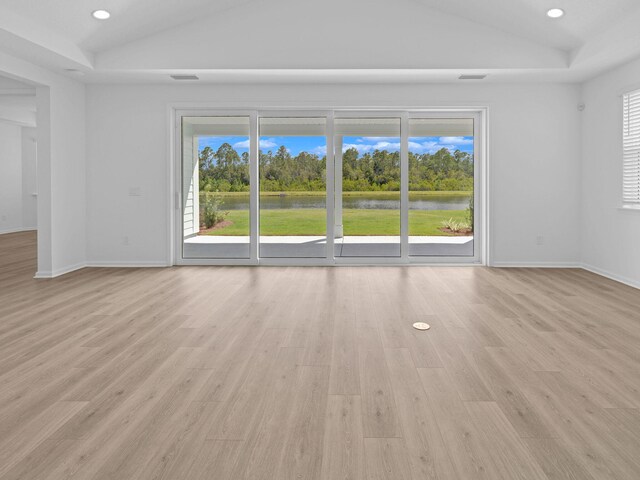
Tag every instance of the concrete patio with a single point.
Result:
(211, 246)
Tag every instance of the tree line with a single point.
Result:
(225, 170)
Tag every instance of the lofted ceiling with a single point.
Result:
(131, 19)
(583, 20)
(333, 40)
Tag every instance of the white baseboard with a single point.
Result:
(536, 264)
(612, 276)
(155, 264)
(120, 264)
(16, 230)
(598, 271)
(78, 266)
(59, 271)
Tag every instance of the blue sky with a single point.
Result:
(317, 145)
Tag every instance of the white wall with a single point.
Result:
(610, 236)
(534, 160)
(17, 178)
(29, 178)
(10, 178)
(68, 177)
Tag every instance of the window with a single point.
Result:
(215, 186)
(631, 149)
(328, 186)
(293, 187)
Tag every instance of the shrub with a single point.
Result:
(470, 212)
(211, 209)
(455, 226)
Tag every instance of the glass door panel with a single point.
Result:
(293, 187)
(441, 186)
(367, 196)
(215, 187)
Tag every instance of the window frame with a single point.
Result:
(481, 180)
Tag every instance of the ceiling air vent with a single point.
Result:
(472, 77)
(185, 77)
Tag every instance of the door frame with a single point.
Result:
(481, 183)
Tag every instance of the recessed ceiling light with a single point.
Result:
(101, 14)
(555, 13)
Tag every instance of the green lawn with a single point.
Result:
(355, 221)
(412, 193)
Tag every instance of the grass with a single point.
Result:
(356, 222)
(429, 193)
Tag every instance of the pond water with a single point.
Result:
(372, 201)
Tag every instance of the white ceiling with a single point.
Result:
(130, 19)
(134, 19)
(583, 20)
(276, 40)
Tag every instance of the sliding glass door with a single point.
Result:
(441, 186)
(293, 187)
(367, 193)
(329, 187)
(215, 187)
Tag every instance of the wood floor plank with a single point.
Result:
(555, 459)
(343, 450)
(214, 459)
(344, 377)
(615, 445)
(15, 447)
(244, 407)
(93, 449)
(141, 449)
(266, 439)
(522, 415)
(316, 373)
(386, 459)
(468, 382)
(509, 459)
(559, 407)
(176, 456)
(303, 444)
(426, 450)
(459, 434)
(379, 415)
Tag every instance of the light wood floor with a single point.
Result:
(315, 373)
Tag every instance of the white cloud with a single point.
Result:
(360, 147)
(366, 148)
(244, 144)
(268, 143)
(431, 146)
(320, 150)
(393, 146)
(456, 140)
(379, 139)
(264, 143)
(423, 147)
